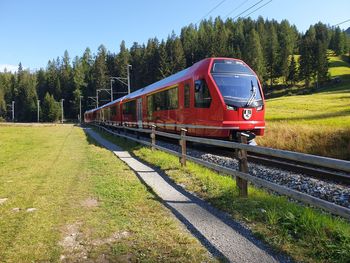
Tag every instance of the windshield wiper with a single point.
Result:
(253, 94)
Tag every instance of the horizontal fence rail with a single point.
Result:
(243, 176)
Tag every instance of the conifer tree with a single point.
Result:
(26, 97)
(164, 64)
(254, 54)
(292, 71)
(100, 78)
(272, 53)
(50, 109)
(307, 58)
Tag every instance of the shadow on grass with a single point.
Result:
(339, 63)
(329, 87)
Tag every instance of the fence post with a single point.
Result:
(153, 137)
(241, 155)
(183, 147)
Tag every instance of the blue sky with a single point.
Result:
(35, 31)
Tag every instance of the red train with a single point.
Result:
(216, 97)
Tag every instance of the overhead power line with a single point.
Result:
(258, 8)
(211, 11)
(247, 9)
(236, 8)
(342, 22)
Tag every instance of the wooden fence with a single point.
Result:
(242, 176)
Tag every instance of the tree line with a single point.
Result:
(277, 51)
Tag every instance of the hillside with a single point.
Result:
(317, 123)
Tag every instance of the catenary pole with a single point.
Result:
(13, 111)
(80, 108)
(38, 111)
(62, 110)
(128, 70)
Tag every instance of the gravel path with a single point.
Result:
(222, 236)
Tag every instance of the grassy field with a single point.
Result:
(306, 234)
(317, 123)
(88, 206)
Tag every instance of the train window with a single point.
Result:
(129, 108)
(230, 66)
(202, 97)
(113, 112)
(164, 100)
(187, 96)
(150, 107)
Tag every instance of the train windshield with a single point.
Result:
(237, 83)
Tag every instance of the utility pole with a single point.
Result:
(62, 110)
(13, 111)
(128, 70)
(112, 80)
(38, 105)
(80, 108)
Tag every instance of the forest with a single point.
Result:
(277, 51)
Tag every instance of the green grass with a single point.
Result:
(55, 169)
(317, 123)
(306, 234)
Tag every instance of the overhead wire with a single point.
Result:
(236, 8)
(342, 22)
(211, 11)
(247, 9)
(258, 8)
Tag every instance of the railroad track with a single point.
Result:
(315, 172)
(292, 166)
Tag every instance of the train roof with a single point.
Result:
(168, 81)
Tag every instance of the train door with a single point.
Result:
(139, 112)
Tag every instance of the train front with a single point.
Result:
(242, 96)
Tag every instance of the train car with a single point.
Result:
(216, 97)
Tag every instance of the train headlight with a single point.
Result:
(231, 107)
(259, 107)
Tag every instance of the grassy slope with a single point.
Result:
(318, 123)
(54, 169)
(306, 234)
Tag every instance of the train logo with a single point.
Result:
(247, 114)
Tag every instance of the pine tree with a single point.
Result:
(164, 64)
(100, 77)
(176, 56)
(292, 71)
(50, 109)
(150, 62)
(79, 84)
(26, 97)
(338, 42)
(287, 42)
(254, 53)
(136, 58)
(272, 53)
(322, 64)
(122, 60)
(307, 56)
(42, 87)
(189, 38)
